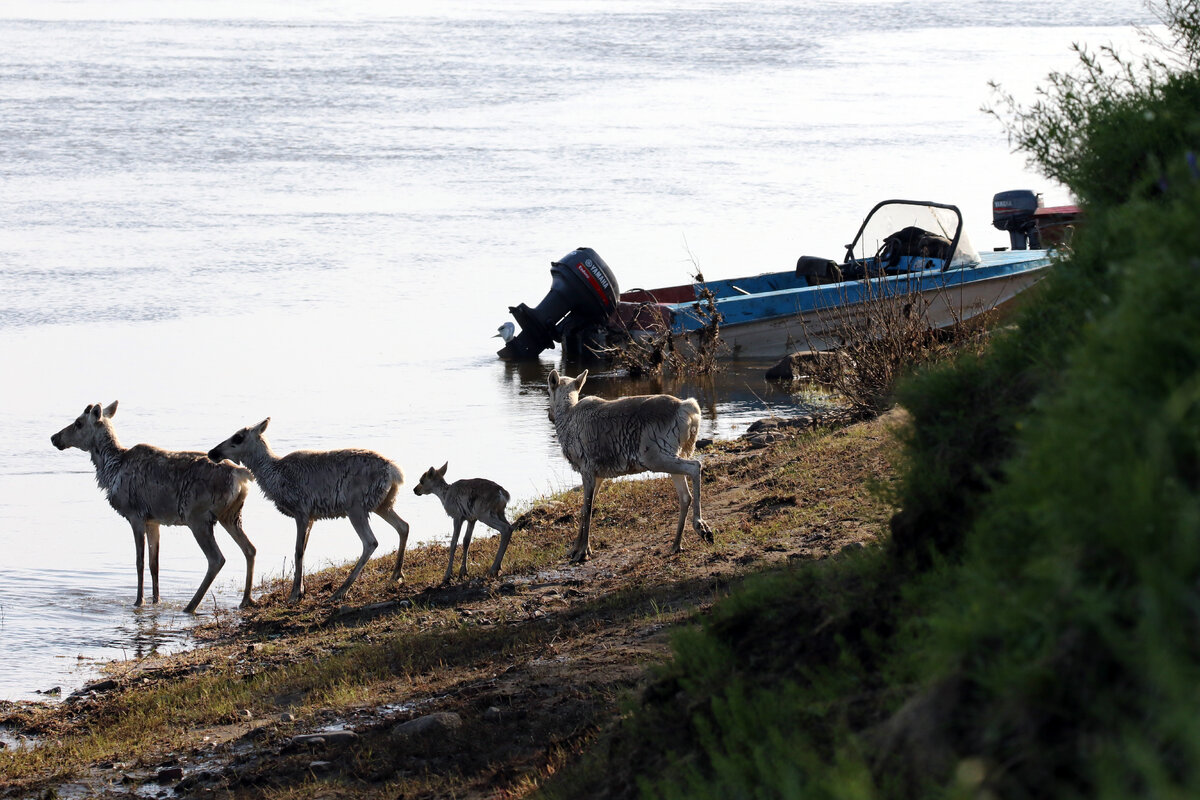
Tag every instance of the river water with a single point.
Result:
(216, 212)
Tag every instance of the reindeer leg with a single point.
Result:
(393, 519)
(152, 539)
(685, 500)
(675, 466)
(303, 528)
(500, 524)
(582, 550)
(363, 528)
(703, 529)
(139, 545)
(203, 531)
(234, 527)
(462, 573)
(458, 521)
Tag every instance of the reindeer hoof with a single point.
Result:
(705, 531)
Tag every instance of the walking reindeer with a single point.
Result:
(471, 500)
(308, 485)
(644, 433)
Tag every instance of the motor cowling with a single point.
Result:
(1014, 212)
(583, 290)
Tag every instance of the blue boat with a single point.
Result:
(912, 251)
(907, 253)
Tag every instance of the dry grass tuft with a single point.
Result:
(885, 338)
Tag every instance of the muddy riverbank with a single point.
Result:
(479, 689)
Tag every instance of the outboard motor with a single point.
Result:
(1014, 212)
(582, 288)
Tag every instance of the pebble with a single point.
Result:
(431, 724)
(169, 774)
(329, 737)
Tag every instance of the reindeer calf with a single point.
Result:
(150, 487)
(645, 433)
(472, 500)
(308, 485)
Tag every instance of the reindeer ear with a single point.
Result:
(441, 472)
(111, 410)
(580, 379)
(552, 381)
(262, 426)
(93, 411)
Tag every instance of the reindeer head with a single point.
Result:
(237, 446)
(431, 479)
(89, 428)
(564, 392)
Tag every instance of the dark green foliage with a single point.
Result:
(1033, 628)
(1084, 627)
(741, 699)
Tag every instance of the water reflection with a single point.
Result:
(736, 393)
(152, 631)
(51, 636)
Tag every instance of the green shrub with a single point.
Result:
(1082, 634)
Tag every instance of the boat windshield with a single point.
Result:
(904, 232)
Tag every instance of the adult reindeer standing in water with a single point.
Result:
(308, 485)
(150, 487)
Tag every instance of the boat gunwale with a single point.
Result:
(685, 318)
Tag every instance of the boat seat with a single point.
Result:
(914, 243)
(817, 271)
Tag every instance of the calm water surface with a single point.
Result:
(216, 212)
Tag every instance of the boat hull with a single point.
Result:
(775, 324)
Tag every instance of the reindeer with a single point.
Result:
(308, 485)
(150, 487)
(644, 433)
(473, 500)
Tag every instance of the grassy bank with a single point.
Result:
(536, 664)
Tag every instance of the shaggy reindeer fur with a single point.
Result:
(150, 487)
(472, 500)
(308, 485)
(645, 433)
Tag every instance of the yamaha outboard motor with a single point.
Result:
(1014, 212)
(582, 289)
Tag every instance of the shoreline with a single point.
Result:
(475, 689)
